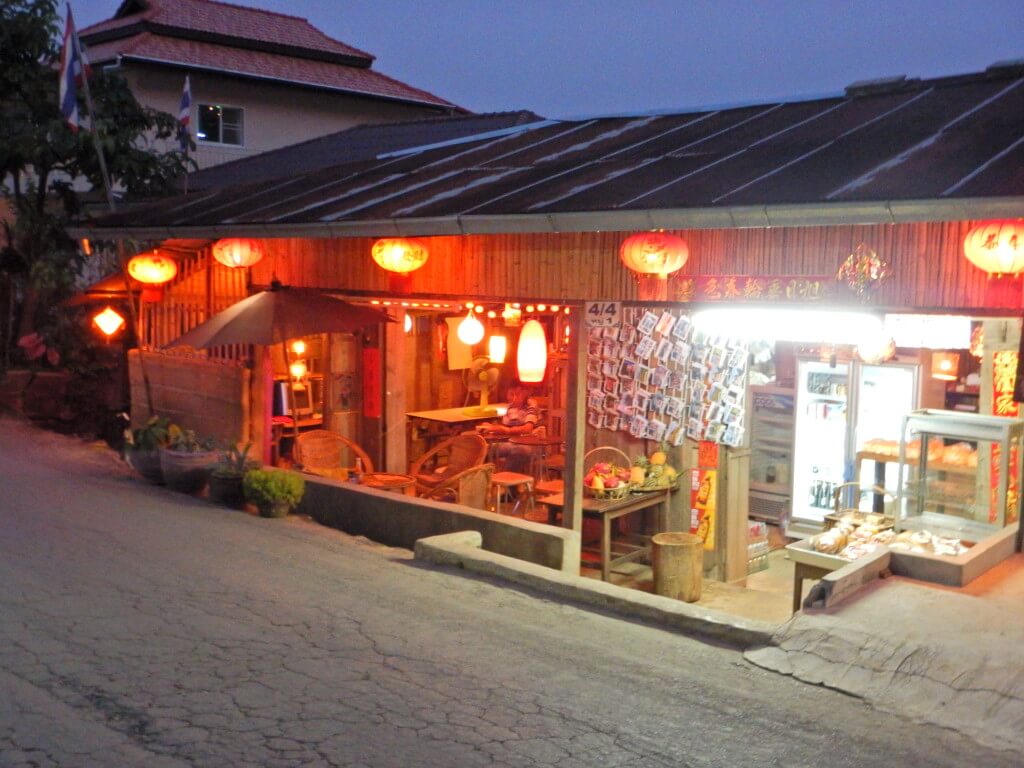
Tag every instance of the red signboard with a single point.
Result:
(373, 387)
(740, 288)
(707, 454)
(1004, 377)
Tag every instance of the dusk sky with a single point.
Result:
(565, 58)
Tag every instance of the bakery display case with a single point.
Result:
(959, 479)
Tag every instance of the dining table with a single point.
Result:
(628, 547)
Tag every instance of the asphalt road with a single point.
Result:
(143, 628)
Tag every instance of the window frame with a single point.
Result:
(220, 124)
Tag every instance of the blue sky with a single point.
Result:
(566, 58)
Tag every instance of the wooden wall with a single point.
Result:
(926, 259)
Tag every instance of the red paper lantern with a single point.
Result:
(152, 268)
(996, 247)
(532, 353)
(237, 252)
(398, 254)
(654, 253)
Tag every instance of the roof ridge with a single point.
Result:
(283, 16)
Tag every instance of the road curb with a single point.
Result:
(463, 550)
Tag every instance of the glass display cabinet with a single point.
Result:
(959, 474)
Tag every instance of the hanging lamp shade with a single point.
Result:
(152, 268)
(237, 252)
(470, 330)
(497, 349)
(945, 366)
(654, 253)
(108, 321)
(996, 247)
(532, 354)
(399, 254)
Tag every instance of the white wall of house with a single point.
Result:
(276, 114)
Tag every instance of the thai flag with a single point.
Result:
(71, 69)
(184, 115)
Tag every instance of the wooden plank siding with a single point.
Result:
(929, 271)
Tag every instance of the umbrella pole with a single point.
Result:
(134, 315)
(291, 395)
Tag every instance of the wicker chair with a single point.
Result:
(431, 470)
(319, 452)
(470, 487)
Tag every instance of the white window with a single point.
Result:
(221, 125)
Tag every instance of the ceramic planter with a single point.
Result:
(227, 490)
(147, 463)
(278, 509)
(187, 472)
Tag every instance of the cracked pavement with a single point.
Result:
(139, 627)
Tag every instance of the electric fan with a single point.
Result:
(481, 377)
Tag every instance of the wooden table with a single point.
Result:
(445, 422)
(607, 510)
(390, 481)
(543, 442)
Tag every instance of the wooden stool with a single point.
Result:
(502, 483)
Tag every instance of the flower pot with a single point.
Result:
(187, 472)
(147, 464)
(277, 509)
(227, 490)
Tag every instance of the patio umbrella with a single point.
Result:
(279, 314)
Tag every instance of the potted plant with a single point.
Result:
(142, 447)
(186, 460)
(227, 474)
(275, 492)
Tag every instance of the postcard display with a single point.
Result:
(657, 378)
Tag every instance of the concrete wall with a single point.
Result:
(210, 397)
(276, 114)
(399, 521)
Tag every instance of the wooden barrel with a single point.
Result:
(678, 560)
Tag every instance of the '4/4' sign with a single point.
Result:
(603, 313)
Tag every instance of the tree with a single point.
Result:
(45, 166)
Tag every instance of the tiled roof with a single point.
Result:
(261, 65)
(949, 148)
(363, 142)
(207, 16)
(246, 42)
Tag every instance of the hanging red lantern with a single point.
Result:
(996, 247)
(399, 254)
(237, 252)
(654, 253)
(153, 271)
(532, 353)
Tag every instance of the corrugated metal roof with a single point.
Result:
(923, 149)
(362, 142)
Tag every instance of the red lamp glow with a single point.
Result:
(996, 247)
(152, 270)
(654, 253)
(237, 252)
(532, 354)
(398, 254)
(108, 321)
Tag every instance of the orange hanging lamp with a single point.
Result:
(996, 247)
(238, 252)
(532, 353)
(108, 321)
(400, 255)
(153, 271)
(654, 253)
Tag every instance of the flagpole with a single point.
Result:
(108, 188)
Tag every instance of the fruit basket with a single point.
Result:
(654, 473)
(607, 473)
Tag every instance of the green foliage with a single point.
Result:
(151, 435)
(266, 487)
(40, 155)
(186, 441)
(235, 462)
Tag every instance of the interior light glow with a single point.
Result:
(788, 324)
(930, 331)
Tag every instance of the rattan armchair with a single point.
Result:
(321, 452)
(470, 487)
(435, 468)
